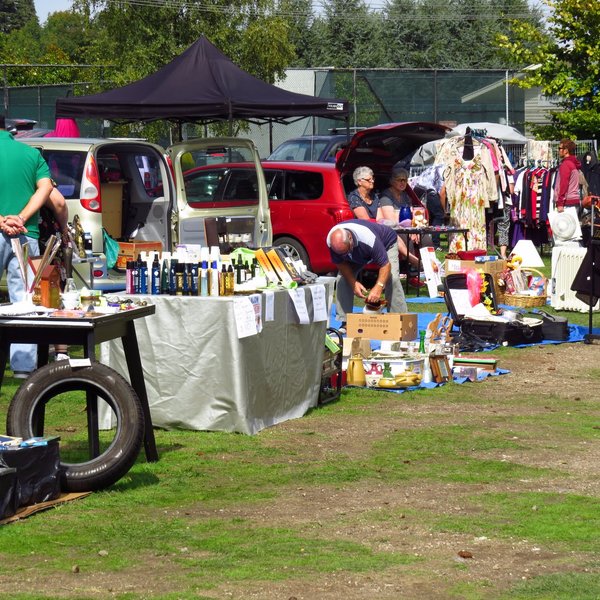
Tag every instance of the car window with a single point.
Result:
(203, 186)
(66, 169)
(242, 185)
(303, 185)
(109, 168)
(300, 150)
(216, 155)
(274, 181)
(150, 173)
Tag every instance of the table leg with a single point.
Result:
(92, 424)
(136, 376)
(89, 351)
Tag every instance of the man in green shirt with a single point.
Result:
(25, 185)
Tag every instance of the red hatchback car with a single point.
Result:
(305, 199)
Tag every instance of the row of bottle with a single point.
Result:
(186, 278)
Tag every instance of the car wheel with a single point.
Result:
(55, 393)
(295, 249)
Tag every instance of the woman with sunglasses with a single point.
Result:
(393, 199)
(363, 201)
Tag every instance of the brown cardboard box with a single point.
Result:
(112, 208)
(131, 250)
(384, 326)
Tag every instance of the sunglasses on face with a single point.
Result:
(367, 179)
(402, 179)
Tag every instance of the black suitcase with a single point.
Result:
(553, 327)
(488, 332)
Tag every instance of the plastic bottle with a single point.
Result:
(129, 282)
(214, 279)
(155, 277)
(185, 282)
(193, 283)
(172, 279)
(204, 278)
(222, 280)
(179, 277)
(427, 374)
(230, 281)
(143, 275)
(136, 276)
(164, 277)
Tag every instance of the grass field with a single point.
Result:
(474, 491)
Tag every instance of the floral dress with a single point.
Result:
(465, 192)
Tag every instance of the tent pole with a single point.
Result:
(270, 137)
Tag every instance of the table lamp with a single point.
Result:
(527, 251)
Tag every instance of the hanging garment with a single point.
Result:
(465, 183)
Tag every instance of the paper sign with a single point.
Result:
(269, 305)
(256, 301)
(461, 301)
(299, 300)
(432, 269)
(245, 317)
(319, 302)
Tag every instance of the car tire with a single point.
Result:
(295, 248)
(27, 409)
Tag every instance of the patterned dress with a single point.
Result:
(465, 192)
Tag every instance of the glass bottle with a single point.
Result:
(70, 286)
(422, 342)
(387, 371)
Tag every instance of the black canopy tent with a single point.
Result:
(202, 85)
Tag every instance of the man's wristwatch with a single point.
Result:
(381, 284)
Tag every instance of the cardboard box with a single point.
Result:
(131, 250)
(384, 326)
(111, 193)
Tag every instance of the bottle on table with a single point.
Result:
(155, 276)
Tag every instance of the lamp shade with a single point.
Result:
(527, 251)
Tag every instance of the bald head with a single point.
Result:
(340, 241)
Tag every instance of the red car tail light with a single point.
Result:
(341, 214)
(90, 188)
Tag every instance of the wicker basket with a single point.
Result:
(525, 300)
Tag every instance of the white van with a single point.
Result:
(137, 192)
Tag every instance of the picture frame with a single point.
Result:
(440, 368)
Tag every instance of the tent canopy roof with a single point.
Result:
(202, 84)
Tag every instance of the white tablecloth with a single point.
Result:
(200, 376)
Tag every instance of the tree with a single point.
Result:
(565, 63)
(14, 14)
(299, 16)
(454, 34)
(350, 36)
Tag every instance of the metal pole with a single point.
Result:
(354, 94)
(506, 98)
